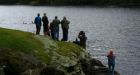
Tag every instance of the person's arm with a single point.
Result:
(79, 36)
(40, 21)
(47, 20)
(68, 22)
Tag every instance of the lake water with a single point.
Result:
(105, 27)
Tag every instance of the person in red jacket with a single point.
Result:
(111, 62)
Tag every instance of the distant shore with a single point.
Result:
(99, 3)
(114, 6)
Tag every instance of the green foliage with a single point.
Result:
(68, 49)
(21, 51)
(22, 42)
(17, 40)
(15, 62)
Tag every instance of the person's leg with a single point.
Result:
(66, 35)
(57, 34)
(44, 30)
(37, 29)
(52, 34)
(109, 67)
(63, 30)
(112, 69)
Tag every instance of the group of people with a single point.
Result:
(53, 29)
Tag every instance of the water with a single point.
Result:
(106, 28)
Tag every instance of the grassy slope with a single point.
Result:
(22, 42)
(17, 40)
(44, 48)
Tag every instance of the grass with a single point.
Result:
(19, 41)
(41, 47)
(67, 49)
(23, 50)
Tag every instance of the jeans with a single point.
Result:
(38, 27)
(65, 34)
(111, 68)
(56, 34)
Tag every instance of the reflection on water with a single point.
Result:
(105, 28)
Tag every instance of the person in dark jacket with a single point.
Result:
(38, 23)
(56, 23)
(82, 38)
(52, 28)
(65, 26)
(45, 25)
(111, 62)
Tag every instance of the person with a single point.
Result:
(52, 28)
(111, 62)
(82, 38)
(45, 25)
(38, 23)
(56, 23)
(65, 26)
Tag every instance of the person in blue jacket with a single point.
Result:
(111, 62)
(38, 24)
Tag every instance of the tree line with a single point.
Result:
(74, 2)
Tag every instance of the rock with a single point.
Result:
(51, 71)
(95, 62)
(94, 67)
(49, 58)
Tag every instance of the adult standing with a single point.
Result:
(111, 62)
(38, 23)
(56, 23)
(65, 26)
(45, 25)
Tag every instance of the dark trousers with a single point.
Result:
(111, 68)
(65, 34)
(56, 33)
(46, 29)
(38, 29)
(53, 34)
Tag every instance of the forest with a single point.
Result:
(72, 2)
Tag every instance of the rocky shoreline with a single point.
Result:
(58, 58)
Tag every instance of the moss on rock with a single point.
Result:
(23, 53)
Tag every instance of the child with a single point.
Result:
(111, 62)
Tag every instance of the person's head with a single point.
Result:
(38, 14)
(64, 18)
(44, 14)
(81, 33)
(56, 17)
(110, 53)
